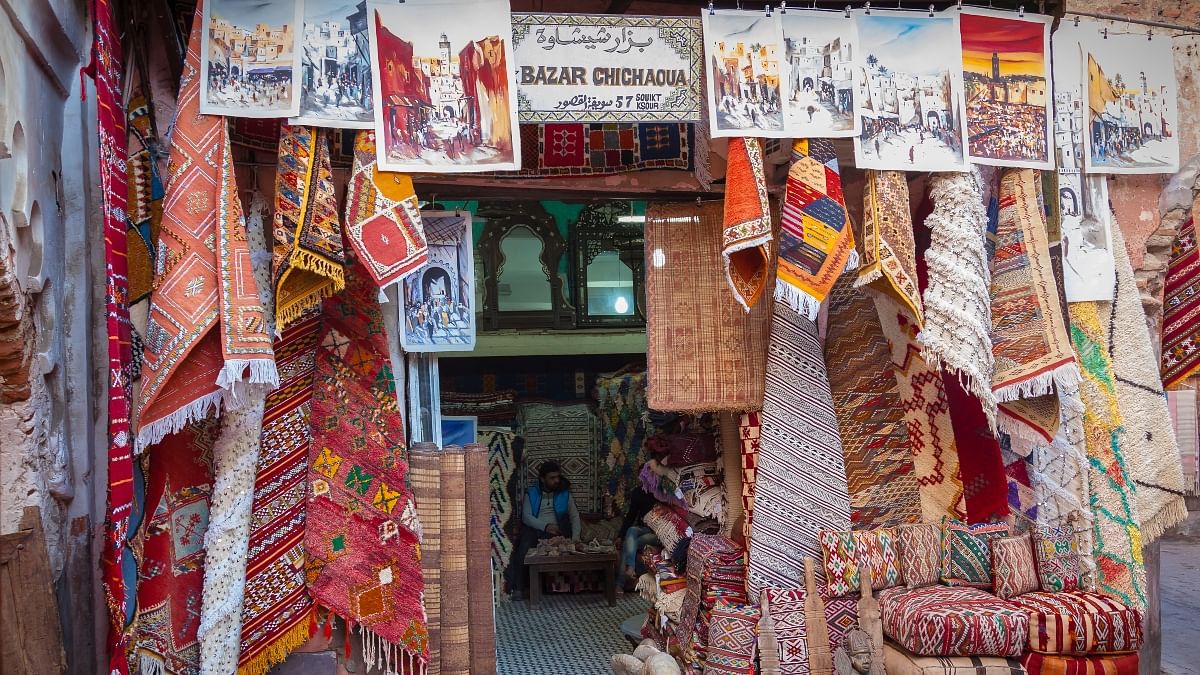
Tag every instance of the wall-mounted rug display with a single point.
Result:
(1006, 80)
(742, 56)
(1181, 325)
(250, 58)
(335, 66)
(910, 92)
(819, 80)
(464, 118)
(439, 297)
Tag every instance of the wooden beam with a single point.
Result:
(618, 6)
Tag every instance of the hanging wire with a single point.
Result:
(1182, 29)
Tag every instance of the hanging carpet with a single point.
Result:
(1181, 309)
(888, 260)
(705, 353)
(505, 454)
(984, 481)
(622, 416)
(746, 230)
(566, 149)
(749, 431)
(800, 483)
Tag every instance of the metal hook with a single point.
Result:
(1105, 32)
(1149, 34)
(783, 7)
(712, 11)
(867, 7)
(931, 10)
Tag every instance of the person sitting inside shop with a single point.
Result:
(549, 511)
(634, 533)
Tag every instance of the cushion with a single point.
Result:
(953, 621)
(1049, 664)
(683, 449)
(1013, 569)
(840, 562)
(920, 550)
(786, 609)
(967, 552)
(876, 551)
(898, 661)
(732, 639)
(1079, 622)
(1059, 565)
(702, 490)
(669, 526)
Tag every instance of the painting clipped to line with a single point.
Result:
(1131, 115)
(605, 68)
(445, 99)
(1088, 272)
(1007, 90)
(249, 58)
(910, 92)
(819, 77)
(439, 298)
(742, 51)
(335, 66)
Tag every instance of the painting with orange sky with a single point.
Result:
(1005, 78)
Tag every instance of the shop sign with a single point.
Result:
(605, 68)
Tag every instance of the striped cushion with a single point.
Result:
(1013, 569)
(953, 621)
(920, 553)
(967, 552)
(1048, 664)
(1079, 622)
(898, 661)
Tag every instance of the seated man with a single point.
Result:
(549, 511)
(634, 533)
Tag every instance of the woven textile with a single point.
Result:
(877, 553)
(1046, 664)
(786, 608)
(958, 306)
(456, 638)
(888, 262)
(1181, 309)
(1013, 569)
(1059, 565)
(879, 468)
(603, 149)
(117, 559)
(732, 639)
(800, 486)
(425, 472)
(840, 560)
(1029, 336)
(504, 456)
(966, 552)
(365, 567)
(171, 569)
(1147, 436)
(816, 242)
(276, 607)
(749, 431)
(207, 325)
(494, 409)
(1116, 534)
(622, 416)
(746, 230)
(953, 621)
(733, 523)
(715, 571)
(668, 524)
(565, 434)
(1058, 472)
(480, 610)
(383, 221)
(704, 353)
(920, 550)
(1078, 622)
(1022, 509)
(898, 661)
(981, 462)
(308, 257)
(1030, 422)
(145, 193)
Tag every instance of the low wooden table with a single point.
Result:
(574, 562)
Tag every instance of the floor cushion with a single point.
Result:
(899, 661)
(1079, 622)
(1049, 664)
(953, 621)
(967, 552)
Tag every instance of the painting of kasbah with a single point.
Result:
(1007, 94)
(444, 99)
(819, 82)
(743, 51)
(335, 66)
(1131, 125)
(249, 58)
(910, 93)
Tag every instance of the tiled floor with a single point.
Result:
(565, 635)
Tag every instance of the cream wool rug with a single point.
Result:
(1147, 436)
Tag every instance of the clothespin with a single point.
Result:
(783, 7)
(1021, 11)
(768, 10)
(867, 7)
(847, 11)
(931, 10)
(711, 11)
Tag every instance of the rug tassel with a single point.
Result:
(868, 275)
(1154, 527)
(195, 411)
(346, 638)
(151, 664)
(1066, 375)
(278, 651)
(329, 626)
(799, 300)
(310, 262)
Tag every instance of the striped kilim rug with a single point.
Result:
(1181, 309)
(800, 486)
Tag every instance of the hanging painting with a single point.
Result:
(1131, 116)
(605, 68)
(1006, 73)
(742, 51)
(910, 92)
(1088, 272)
(444, 98)
(335, 70)
(439, 298)
(819, 77)
(249, 58)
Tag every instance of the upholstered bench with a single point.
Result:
(953, 621)
(899, 661)
(1079, 623)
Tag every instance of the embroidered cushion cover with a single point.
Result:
(967, 552)
(898, 661)
(1079, 622)
(875, 550)
(953, 621)
(1013, 569)
(920, 549)
(1059, 565)
(841, 564)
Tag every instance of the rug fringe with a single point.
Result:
(1024, 438)
(263, 373)
(291, 312)
(934, 351)
(801, 301)
(1066, 375)
(150, 663)
(277, 651)
(727, 255)
(391, 657)
(310, 262)
(868, 275)
(195, 411)
(1174, 513)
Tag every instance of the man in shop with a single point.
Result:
(634, 533)
(549, 511)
